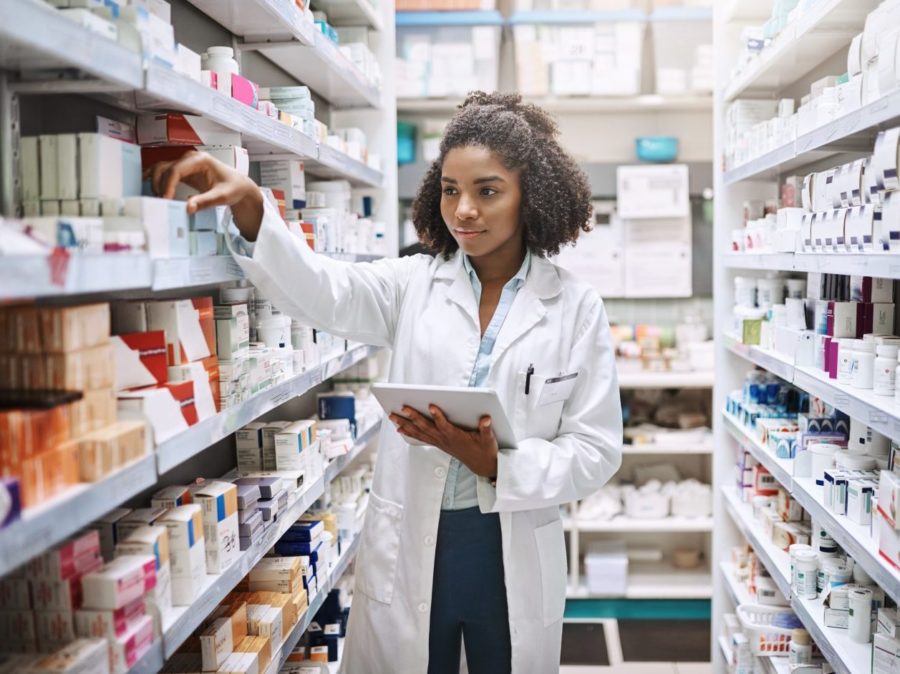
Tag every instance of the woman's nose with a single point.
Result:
(465, 209)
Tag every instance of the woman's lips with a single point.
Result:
(467, 233)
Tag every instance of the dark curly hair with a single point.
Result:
(556, 195)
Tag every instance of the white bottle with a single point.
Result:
(801, 648)
(860, 619)
(863, 364)
(885, 373)
(845, 361)
(221, 60)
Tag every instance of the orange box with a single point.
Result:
(95, 410)
(259, 645)
(48, 474)
(103, 451)
(74, 328)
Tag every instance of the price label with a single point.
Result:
(841, 400)
(879, 418)
(280, 398)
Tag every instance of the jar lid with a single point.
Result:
(800, 636)
(887, 350)
(221, 51)
(865, 347)
(850, 461)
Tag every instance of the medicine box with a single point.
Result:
(108, 624)
(268, 443)
(232, 330)
(81, 655)
(127, 649)
(171, 497)
(120, 582)
(189, 326)
(109, 168)
(269, 486)
(140, 359)
(291, 442)
(187, 551)
(218, 501)
(885, 654)
(260, 647)
(177, 129)
(138, 518)
(219, 639)
(68, 559)
(889, 498)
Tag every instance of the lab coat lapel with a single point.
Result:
(460, 292)
(529, 307)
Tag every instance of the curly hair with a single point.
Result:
(556, 195)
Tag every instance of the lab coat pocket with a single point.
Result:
(542, 417)
(379, 549)
(551, 545)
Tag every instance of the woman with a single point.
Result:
(463, 547)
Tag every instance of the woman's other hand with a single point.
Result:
(218, 184)
(477, 449)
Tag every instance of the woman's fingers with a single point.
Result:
(440, 419)
(156, 173)
(219, 195)
(191, 164)
(486, 431)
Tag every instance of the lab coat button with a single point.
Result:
(429, 540)
(423, 607)
(440, 472)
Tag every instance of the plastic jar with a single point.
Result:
(745, 291)
(796, 288)
(860, 618)
(833, 572)
(851, 461)
(822, 459)
(769, 291)
(863, 365)
(221, 60)
(885, 371)
(801, 648)
(825, 545)
(805, 568)
(845, 361)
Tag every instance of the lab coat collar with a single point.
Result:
(542, 280)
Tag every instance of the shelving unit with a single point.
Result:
(656, 581)
(574, 104)
(624, 524)
(639, 380)
(809, 48)
(44, 53)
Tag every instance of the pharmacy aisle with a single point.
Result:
(184, 470)
(806, 533)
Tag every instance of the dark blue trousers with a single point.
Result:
(469, 596)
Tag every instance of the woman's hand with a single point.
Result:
(477, 450)
(218, 184)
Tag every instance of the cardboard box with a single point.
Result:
(187, 552)
(103, 451)
(218, 501)
(171, 497)
(120, 582)
(108, 624)
(68, 559)
(889, 498)
(219, 639)
(291, 442)
(141, 359)
(15, 593)
(110, 168)
(189, 327)
(888, 538)
(178, 129)
(261, 647)
(165, 222)
(108, 526)
(48, 158)
(127, 649)
(287, 175)
(162, 411)
(30, 162)
(885, 654)
(232, 330)
(82, 655)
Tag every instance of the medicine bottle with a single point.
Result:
(221, 60)
(885, 374)
(845, 361)
(863, 364)
(801, 648)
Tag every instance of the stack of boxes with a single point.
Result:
(187, 551)
(315, 548)
(273, 496)
(55, 439)
(219, 504)
(154, 541)
(233, 349)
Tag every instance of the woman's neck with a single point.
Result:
(501, 264)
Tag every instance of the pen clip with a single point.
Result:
(528, 374)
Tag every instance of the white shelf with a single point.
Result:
(879, 265)
(726, 648)
(776, 561)
(656, 581)
(259, 19)
(622, 524)
(324, 69)
(49, 523)
(152, 662)
(186, 272)
(68, 274)
(180, 622)
(856, 129)
(770, 360)
(350, 13)
(197, 438)
(574, 104)
(35, 36)
(650, 448)
(781, 469)
(315, 604)
(334, 164)
(738, 592)
(844, 654)
(636, 380)
(801, 46)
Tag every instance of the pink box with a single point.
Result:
(244, 90)
(70, 559)
(120, 582)
(103, 624)
(127, 649)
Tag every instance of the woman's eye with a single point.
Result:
(449, 191)
(488, 192)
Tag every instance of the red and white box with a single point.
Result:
(168, 410)
(127, 649)
(54, 627)
(68, 560)
(204, 396)
(120, 582)
(108, 624)
(189, 326)
(141, 359)
(15, 593)
(60, 595)
(174, 128)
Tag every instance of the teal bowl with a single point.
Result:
(659, 149)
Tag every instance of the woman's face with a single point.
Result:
(480, 201)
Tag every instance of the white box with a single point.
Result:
(67, 166)
(110, 168)
(30, 161)
(49, 176)
(232, 330)
(108, 624)
(889, 497)
(187, 551)
(885, 654)
(234, 156)
(888, 538)
(286, 175)
(126, 650)
(120, 582)
(188, 63)
(158, 407)
(82, 656)
(606, 568)
(292, 443)
(165, 222)
(218, 500)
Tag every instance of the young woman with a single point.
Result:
(462, 549)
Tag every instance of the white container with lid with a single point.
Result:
(770, 291)
(804, 569)
(796, 288)
(860, 615)
(845, 360)
(863, 365)
(801, 648)
(850, 461)
(833, 572)
(221, 60)
(745, 291)
(822, 459)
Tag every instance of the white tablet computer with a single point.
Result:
(463, 406)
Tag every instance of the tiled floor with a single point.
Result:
(642, 668)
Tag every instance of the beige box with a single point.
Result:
(187, 551)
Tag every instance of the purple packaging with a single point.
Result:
(253, 527)
(245, 514)
(10, 501)
(247, 495)
(267, 485)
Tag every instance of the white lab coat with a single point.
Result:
(425, 310)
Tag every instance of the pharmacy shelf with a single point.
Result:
(415, 19)
(649, 448)
(574, 104)
(726, 648)
(776, 561)
(853, 131)
(781, 469)
(736, 589)
(350, 13)
(879, 265)
(656, 580)
(804, 44)
(324, 69)
(333, 164)
(855, 538)
(65, 273)
(844, 654)
(185, 272)
(273, 20)
(180, 622)
(166, 89)
(639, 380)
(622, 524)
(36, 37)
(50, 522)
(316, 603)
(197, 438)
(769, 360)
